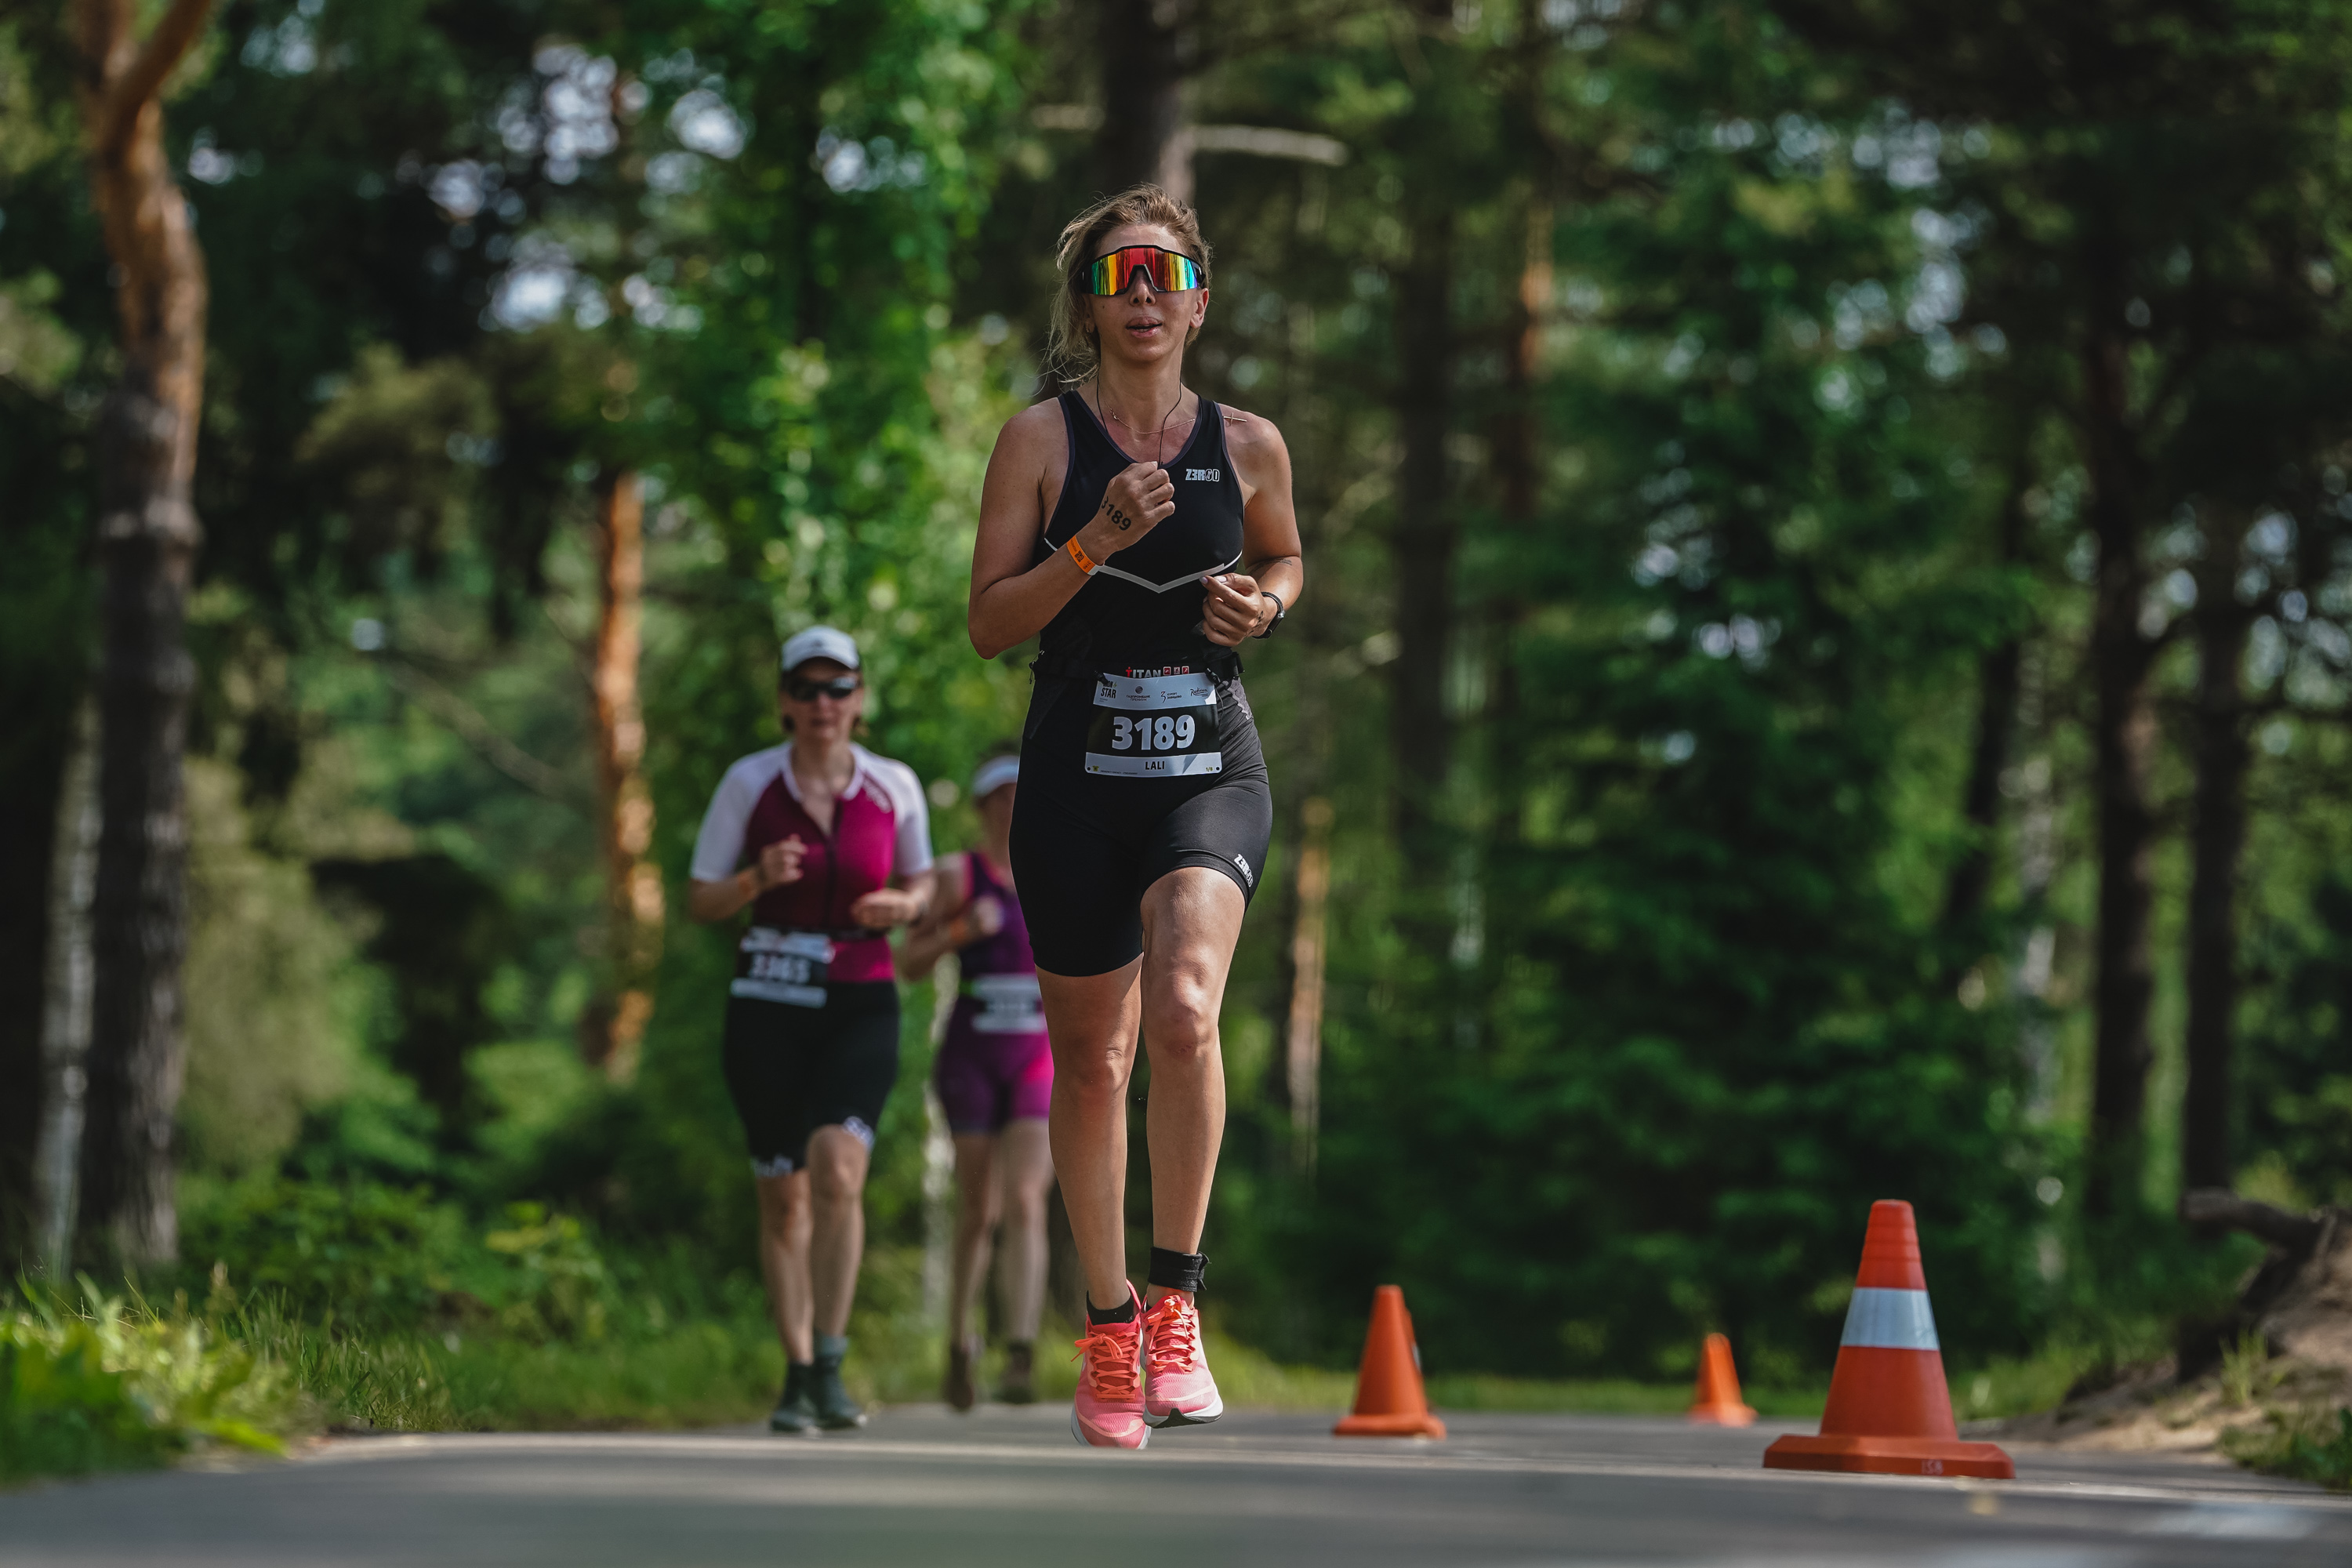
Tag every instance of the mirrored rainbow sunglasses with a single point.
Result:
(1170, 271)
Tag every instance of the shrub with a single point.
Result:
(2304, 1444)
(554, 1285)
(110, 1385)
(360, 1253)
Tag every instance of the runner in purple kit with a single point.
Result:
(831, 847)
(996, 1080)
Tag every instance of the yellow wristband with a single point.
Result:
(1078, 554)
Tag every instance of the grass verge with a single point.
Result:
(110, 1382)
(2307, 1444)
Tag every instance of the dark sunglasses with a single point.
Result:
(1170, 272)
(840, 689)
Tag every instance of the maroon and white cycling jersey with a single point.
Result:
(881, 829)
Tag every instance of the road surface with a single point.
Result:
(1008, 1486)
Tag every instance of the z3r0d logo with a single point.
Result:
(1211, 476)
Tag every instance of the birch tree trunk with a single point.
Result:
(68, 987)
(147, 540)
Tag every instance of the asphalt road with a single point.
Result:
(922, 1485)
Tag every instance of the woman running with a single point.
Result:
(834, 847)
(1146, 533)
(996, 1080)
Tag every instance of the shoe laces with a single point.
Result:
(1173, 1343)
(1109, 1359)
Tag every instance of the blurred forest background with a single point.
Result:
(1823, 679)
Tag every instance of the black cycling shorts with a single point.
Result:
(1086, 847)
(791, 1070)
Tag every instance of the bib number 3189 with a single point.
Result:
(1154, 726)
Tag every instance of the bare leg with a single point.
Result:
(836, 1177)
(1025, 1162)
(1191, 919)
(785, 1216)
(976, 1215)
(1092, 1019)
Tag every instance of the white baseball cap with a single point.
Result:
(993, 776)
(819, 642)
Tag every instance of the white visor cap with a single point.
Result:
(993, 776)
(819, 642)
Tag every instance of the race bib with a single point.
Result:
(786, 966)
(1009, 1005)
(1154, 726)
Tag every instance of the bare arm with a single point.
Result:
(1013, 599)
(779, 863)
(1237, 608)
(943, 927)
(904, 901)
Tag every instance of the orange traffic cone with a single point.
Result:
(1715, 1400)
(1889, 1410)
(1389, 1399)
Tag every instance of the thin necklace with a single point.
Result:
(1159, 454)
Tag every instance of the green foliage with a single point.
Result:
(558, 1286)
(1619, 1051)
(106, 1383)
(2306, 1446)
(361, 1254)
(2246, 1372)
(2299, 1099)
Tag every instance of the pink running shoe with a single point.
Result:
(1108, 1411)
(1177, 1389)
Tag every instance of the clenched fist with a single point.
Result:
(779, 863)
(1135, 502)
(1233, 609)
(986, 915)
(886, 907)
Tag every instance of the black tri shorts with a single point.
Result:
(791, 1070)
(1085, 845)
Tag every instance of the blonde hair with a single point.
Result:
(1071, 352)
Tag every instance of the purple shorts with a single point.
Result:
(987, 1079)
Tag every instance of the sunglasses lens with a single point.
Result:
(810, 690)
(1170, 271)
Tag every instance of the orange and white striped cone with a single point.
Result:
(1890, 1412)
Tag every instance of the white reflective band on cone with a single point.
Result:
(1890, 1320)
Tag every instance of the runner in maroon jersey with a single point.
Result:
(996, 1080)
(835, 849)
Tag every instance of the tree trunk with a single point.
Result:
(1999, 686)
(614, 1026)
(147, 539)
(2123, 741)
(2218, 837)
(67, 997)
(1302, 1040)
(1148, 48)
(1421, 554)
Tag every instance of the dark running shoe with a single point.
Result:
(796, 1411)
(1019, 1384)
(836, 1411)
(962, 1388)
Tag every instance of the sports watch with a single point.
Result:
(1279, 611)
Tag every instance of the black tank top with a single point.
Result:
(1142, 607)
